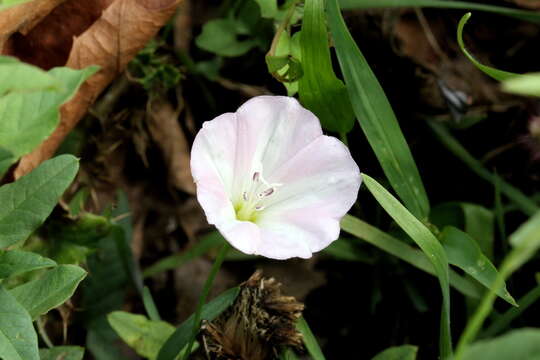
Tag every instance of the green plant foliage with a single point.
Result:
(222, 36)
(49, 291)
(442, 4)
(521, 344)
(488, 70)
(527, 84)
(17, 77)
(310, 341)
(182, 334)
(29, 200)
(28, 118)
(208, 242)
(377, 118)
(145, 336)
(429, 244)
(4, 4)
(18, 340)
(404, 352)
(319, 88)
(403, 251)
(269, 8)
(14, 262)
(464, 252)
(62, 353)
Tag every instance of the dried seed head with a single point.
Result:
(256, 326)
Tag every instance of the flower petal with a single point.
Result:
(243, 235)
(271, 129)
(212, 167)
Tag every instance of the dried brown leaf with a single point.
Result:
(111, 42)
(164, 128)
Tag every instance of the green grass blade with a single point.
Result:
(310, 341)
(496, 74)
(525, 241)
(377, 118)
(429, 245)
(442, 4)
(522, 201)
(401, 250)
(320, 91)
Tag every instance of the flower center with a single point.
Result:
(254, 198)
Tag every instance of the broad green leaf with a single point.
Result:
(480, 225)
(16, 76)
(15, 262)
(179, 339)
(18, 340)
(269, 8)
(404, 352)
(220, 36)
(208, 242)
(49, 291)
(62, 353)
(527, 84)
(377, 118)
(27, 202)
(145, 336)
(531, 16)
(526, 242)
(29, 118)
(319, 88)
(103, 292)
(401, 250)
(290, 47)
(496, 74)
(526, 205)
(521, 344)
(429, 244)
(464, 252)
(310, 341)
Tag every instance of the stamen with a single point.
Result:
(245, 196)
(266, 193)
(259, 208)
(256, 176)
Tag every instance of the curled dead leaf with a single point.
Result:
(111, 42)
(162, 120)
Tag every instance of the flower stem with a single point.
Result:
(202, 299)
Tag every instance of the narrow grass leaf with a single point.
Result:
(531, 16)
(27, 202)
(182, 334)
(320, 91)
(525, 204)
(310, 341)
(376, 118)
(496, 74)
(526, 242)
(150, 305)
(18, 339)
(208, 242)
(16, 262)
(480, 225)
(401, 250)
(62, 353)
(429, 245)
(49, 291)
(464, 252)
(404, 352)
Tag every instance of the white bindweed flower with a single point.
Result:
(270, 181)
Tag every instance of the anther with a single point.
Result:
(266, 193)
(245, 196)
(256, 176)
